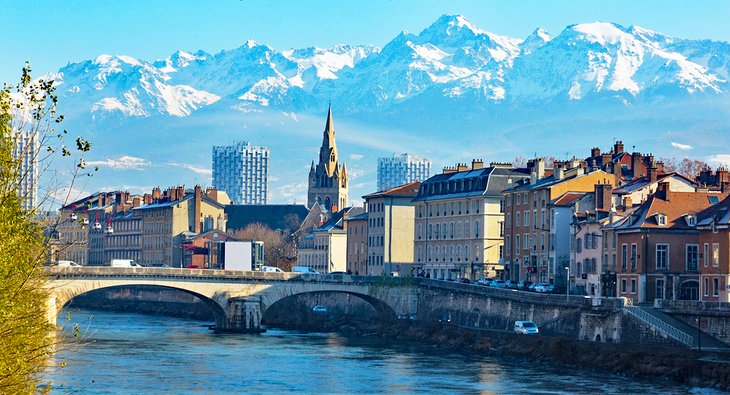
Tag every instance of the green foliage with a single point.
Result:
(27, 339)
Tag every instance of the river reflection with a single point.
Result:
(143, 354)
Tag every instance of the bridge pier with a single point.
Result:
(243, 316)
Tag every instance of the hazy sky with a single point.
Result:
(51, 33)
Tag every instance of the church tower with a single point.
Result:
(328, 179)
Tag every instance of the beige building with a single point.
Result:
(325, 249)
(459, 218)
(390, 230)
(166, 222)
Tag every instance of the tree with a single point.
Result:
(27, 113)
(689, 168)
(519, 162)
(277, 247)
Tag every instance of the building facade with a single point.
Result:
(391, 230)
(357, 239)
(402, 169)
(659, 248)
(459, 223)
(325, 249)
(242, 171)
(328, 181)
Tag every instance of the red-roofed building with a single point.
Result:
(658, 246)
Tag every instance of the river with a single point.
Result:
(126, 353)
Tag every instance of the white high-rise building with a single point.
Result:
(242, 171)
(402, 169)
(26, 150)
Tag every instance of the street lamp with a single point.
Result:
(567, 283)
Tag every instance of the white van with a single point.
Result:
(124, 263)
(68, 264)
(304, 269)
(271, 269)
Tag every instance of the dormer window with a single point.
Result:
(661, 219)
(691, 220)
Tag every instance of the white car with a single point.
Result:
(526, 328)
(68, 264)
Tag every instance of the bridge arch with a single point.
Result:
(218, 311)
(380, 306)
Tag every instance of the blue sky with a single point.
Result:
(75, 30)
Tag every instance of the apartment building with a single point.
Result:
(402, 169)
(659, 246)
(459, 221)
(531, 211)
(714, 252)
(325, 249)
(242, 171)
(357, 239)
(391, 230)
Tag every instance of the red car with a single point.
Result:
(193, 267)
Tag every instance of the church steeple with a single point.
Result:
(328, 178)
(328, 151)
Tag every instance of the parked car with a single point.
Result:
(193, 267)
(319, 309)
(271, 269)
(485, 281)
(158, 265)
(524, 285)
(68, 264)
(124, 263)
(526, 328)
(463, 280)
(303, 269)
(544, 288)
(511, 284)
(532, 287)
(499, 284)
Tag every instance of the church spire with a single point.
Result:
(328, 151)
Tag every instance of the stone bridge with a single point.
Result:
(238, 299)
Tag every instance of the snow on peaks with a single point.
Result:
(537, 39)
(601, 32)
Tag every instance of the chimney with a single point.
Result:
(595, 151)
(136, 201)
(448, 170)
(662, 191)
(602, 196)
(461, 167)
(198, 200)
(724, 186)
(540, 168)
(559, 172)
(651, 172)
(156, 193)
(618, 147)
(659, 166)
(627, 202)
(605, 158)
(722, 175)
(477, 164)
(636, 164)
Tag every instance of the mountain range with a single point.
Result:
(451, 92)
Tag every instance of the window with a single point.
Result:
(517, 244)
(518, 199)
(526, 218)
(451, 229)
(476, 229)
(534, 219)
(437, 231)
(715, 286)
(466, 252)
(517, 220)
(420, 231)
(659, 289)
(624, 256)
(501, 229)
(662, 256)
(661, 219)
(691, 220)
(501, 252)
(707, 286)
(594, 241)
(633, 285)
(623, 285)
(579, 245)
(508, 219)
(430, 231)
(525, 241)
(691, 256)
(501, 206)
(633, 256)
(715, 254)
(507, 243)
(706, 255)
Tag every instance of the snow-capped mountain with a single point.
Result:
(449, 60)
(452, 92)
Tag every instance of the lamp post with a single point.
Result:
(567, 283)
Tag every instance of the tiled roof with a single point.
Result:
(642, 182)
(362, 216)
(489, 181)
(275, 216)
(405, 190)
(676, 208)
(719, 214)
(567, 198)
(335, 222)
